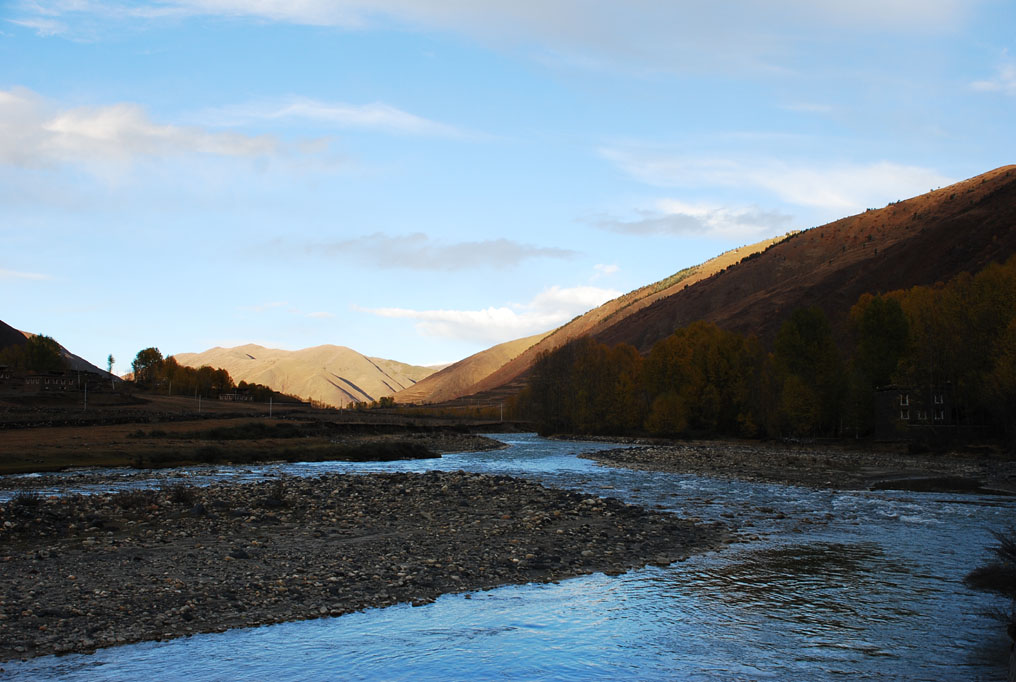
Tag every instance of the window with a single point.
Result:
(922, 416)
(904, 399)
(940, 415)
(939, 399)
(905, 415)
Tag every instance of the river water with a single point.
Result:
(823, 585)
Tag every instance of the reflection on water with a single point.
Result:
(832, 585)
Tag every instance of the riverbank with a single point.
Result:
(225, 440)
(822, 466)
(84, 572)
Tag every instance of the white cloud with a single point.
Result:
(603, 269)
(547, 310)
(374, 116)
(14, 274)
(677, 218)
(1004, 80)
(33, 132)
(841, 187)
(320, 315)
(418, 251)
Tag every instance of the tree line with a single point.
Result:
(37, 354)
(154, 372)
(702, 380)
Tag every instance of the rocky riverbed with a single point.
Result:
(83, 572)
(822, 466)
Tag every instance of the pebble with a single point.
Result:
(302, 548)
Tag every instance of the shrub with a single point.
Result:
(180, 493)
(999, 574)
(135, 499)
(26, 498)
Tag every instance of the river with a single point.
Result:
(821, 585)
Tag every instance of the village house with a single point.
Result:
(899, 410)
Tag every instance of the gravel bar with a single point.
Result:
(84, 572)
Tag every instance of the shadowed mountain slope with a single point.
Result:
(334, 375)
(930, 238)
(611, 313)
(927, 239)
(457, 379)
(9, 336)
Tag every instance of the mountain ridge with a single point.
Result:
(328, 374)
(918, 241)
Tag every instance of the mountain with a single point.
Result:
(930, 238)
(333, 375)
(456, 379)
(9, 336)
(504, 364)
(753, 290)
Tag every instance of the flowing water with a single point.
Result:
(825, 585)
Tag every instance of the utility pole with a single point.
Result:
(85, 405)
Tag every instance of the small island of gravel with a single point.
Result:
(84, 572)
(822, 466)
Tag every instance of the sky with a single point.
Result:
(422, 179)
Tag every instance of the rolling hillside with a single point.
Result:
(333, 375)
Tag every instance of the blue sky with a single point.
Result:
(420, 180)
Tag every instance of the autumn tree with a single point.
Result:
(38, 353)
(700, 379)
(881, 335)
(808, 365)
(147, 366)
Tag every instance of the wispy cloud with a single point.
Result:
(722, 34)
(843, 187)
(14, 274)
(547, 310)
(676, 218)
(321, 315)
(34, 132)
(1004, 80)
(418, 251)
(374, 116)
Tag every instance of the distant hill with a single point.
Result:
(753, 290)
(334, 375)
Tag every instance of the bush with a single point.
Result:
(27, 498)
(135, 499)
(999, 574)
(180, 493)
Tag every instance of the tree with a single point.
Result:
(109, 363)
(882, 333)
(808, 363)
(700, 379)
(38, 354)
(147, 366)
